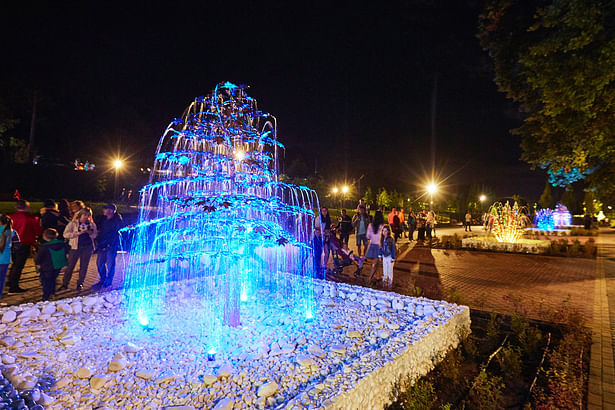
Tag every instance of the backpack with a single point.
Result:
(58, 256)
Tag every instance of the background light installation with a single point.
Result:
(215, 217)
(544, 220)
(562, 216)
(507, 222)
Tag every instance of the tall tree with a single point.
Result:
(546, 199)
(555, 58)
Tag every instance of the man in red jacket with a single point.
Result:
(28, 229)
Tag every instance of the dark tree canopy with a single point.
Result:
(555, 58)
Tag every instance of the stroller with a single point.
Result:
(342, 258)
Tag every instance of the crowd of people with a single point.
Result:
(64, 234)
(375, 238)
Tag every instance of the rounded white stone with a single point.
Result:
(84, 373)
(98, 381)
(268, 389)
(9, 316)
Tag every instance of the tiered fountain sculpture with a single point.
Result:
(215, 218)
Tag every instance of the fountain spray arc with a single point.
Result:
(216, 220)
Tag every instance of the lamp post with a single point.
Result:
(335, 191)
(117, 164)
(344, 192)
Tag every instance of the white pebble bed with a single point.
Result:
(360, 345)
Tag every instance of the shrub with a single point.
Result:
(420, 396)
(575, 249)
(493, 330)
(454, 296)
(450, 241)
(589, 248)
(509, 360)
(583, 232)
(486, 392)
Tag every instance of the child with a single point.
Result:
(9, 242)
(355, 258)
(49, 260)
(387, 253)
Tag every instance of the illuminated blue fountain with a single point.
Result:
(216, 223)
(544, 220)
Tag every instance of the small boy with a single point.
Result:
(49, 260)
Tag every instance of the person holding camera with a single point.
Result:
(80, 233)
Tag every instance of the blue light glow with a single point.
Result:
(215, 219)
(544, 220)
(143, 320)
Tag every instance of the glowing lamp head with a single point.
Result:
(240, 155)
(482, 198)
(335, 190)
(345, 189)
(118, 163)
(432, 188)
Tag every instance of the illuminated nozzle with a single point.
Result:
(243, 297)
(211, 355)
(240, 155)
(143, 320)
(309, 315)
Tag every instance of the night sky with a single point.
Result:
(351, 87)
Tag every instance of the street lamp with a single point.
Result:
(432, 189)
(482, 198)
(117, 164)
(335, 190)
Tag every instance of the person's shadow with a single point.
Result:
(415, 274)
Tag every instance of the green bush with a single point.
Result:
(421, 395)
(589, 248)
(509, 360)
(486, 392)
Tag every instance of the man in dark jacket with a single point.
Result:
(28, 229)
(50, 216)
(108, 244)
(344, 227)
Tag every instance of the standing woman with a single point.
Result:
(8, 239)
(80, 233)
(65, 216)
(430, 223)
(374, 231)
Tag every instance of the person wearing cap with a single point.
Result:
(109, 225)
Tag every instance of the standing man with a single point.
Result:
(468, 218)
(360, 222)
(108, 244)
(345, 227)
(392, 215)
(28, 229)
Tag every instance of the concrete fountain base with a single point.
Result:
(361, 344)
